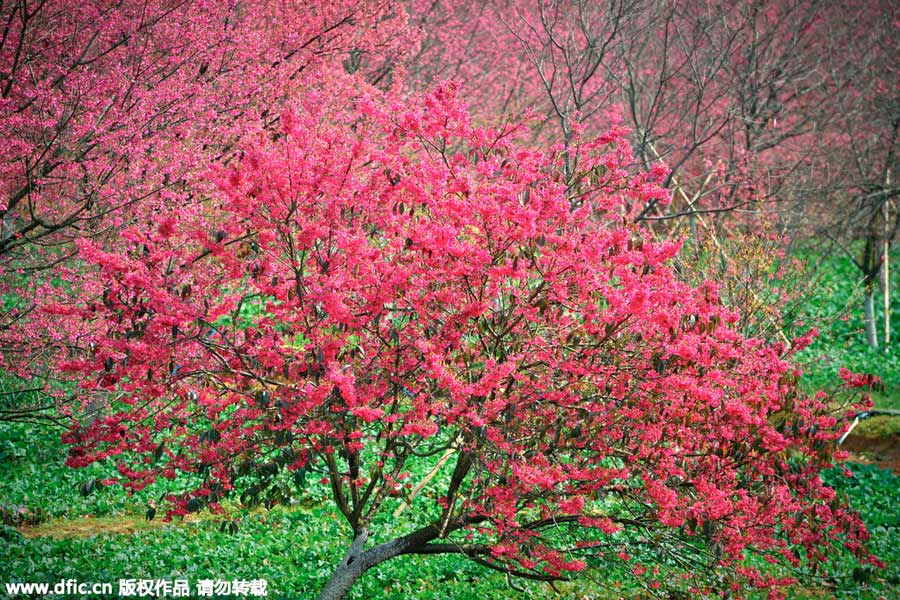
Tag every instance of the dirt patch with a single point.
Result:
(882, 451)
(87, 526)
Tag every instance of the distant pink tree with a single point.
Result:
(98, 99)
(857, 206)
(734, 99)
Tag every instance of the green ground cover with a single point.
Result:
(836, 311)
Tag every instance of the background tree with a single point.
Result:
(708, 90)
(109, 111)
(856, 209)
(759, 110)
(95, 97)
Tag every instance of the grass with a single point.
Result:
(875, 493)
(836, 311)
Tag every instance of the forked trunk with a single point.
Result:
(348, 570)
(358, 560)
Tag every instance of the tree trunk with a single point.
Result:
(886, 286)
(886, 271)
(348, 570)
(869, 317)
(357, 561)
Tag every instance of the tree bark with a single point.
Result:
(869, 317)
(886, 272)
(357, 560)
(886, 285)
(348, 570)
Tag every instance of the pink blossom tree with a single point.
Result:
(109, 111)
(733, 98)
(386, 288)
(774, 117)
(103, 106)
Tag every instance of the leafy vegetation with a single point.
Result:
(836, 312)
(876, 493)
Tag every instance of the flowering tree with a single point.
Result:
(108, 111)
(97, 99)
(387, 288)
